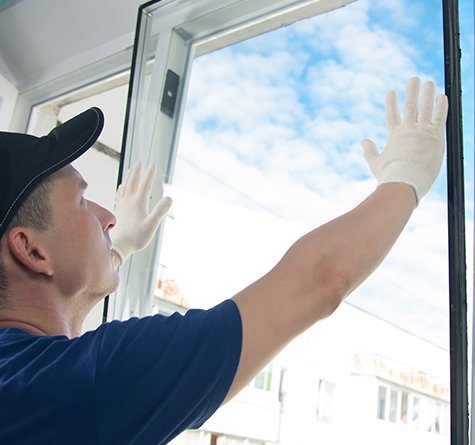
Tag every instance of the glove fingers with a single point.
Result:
(441, 109)
(134, 179)
(427, 103)
(411, 101)
(146, 184)
(370, 151)
(393, 117)
(158, 212)
(123, 186)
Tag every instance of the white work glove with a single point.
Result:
(415, 148)
(135, 225)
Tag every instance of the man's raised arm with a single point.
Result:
(327, 264)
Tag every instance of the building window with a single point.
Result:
(263, 380)
(435, 426)
(388, 404)
(419, 411)
(404, 406)
(394, 406)
(326, 392)
(382, 402)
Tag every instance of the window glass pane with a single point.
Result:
(416, 406)
(404, 407)
(393, 410)
(268, 150)
(382, 403)
(325, 400)
(263, 380)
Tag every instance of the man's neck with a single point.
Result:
(40, 320)
(24, 326)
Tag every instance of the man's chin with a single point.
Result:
(114, 283)
(108, 288)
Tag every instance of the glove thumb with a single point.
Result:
(370, 151)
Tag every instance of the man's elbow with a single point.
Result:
(321, 281)
(331, 277)
(333, 289)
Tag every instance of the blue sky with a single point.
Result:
(321, 73)
(273, 124)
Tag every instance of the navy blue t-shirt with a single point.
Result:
(140, 381)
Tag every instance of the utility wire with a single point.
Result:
(226, 184)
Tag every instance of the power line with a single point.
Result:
(395, 325)
(226, 184)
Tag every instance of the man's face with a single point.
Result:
(78, 241)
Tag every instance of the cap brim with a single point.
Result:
(73, 138)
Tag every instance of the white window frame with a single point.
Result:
(172, 33)
(94, 68)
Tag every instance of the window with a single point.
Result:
(382, 390)
(435, 420)
(404, 406)
(415, 411)
(263, 380)
(235, 153)
(184, 32)
(396, 405)
(325, 401)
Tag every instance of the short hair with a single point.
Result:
(35, 212)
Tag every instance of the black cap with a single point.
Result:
(25, 160)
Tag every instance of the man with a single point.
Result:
(143, 381)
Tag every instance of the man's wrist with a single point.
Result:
(404, 188)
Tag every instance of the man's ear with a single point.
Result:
(27, 250)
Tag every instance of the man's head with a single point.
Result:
(50, 235)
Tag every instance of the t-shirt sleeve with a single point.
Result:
(158, 376)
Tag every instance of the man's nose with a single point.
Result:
(106, 218)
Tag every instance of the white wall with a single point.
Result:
(8, 97)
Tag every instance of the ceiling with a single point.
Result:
(42, 39)
(53, 46)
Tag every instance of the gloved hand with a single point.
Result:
(415, 148)
(135, 224)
